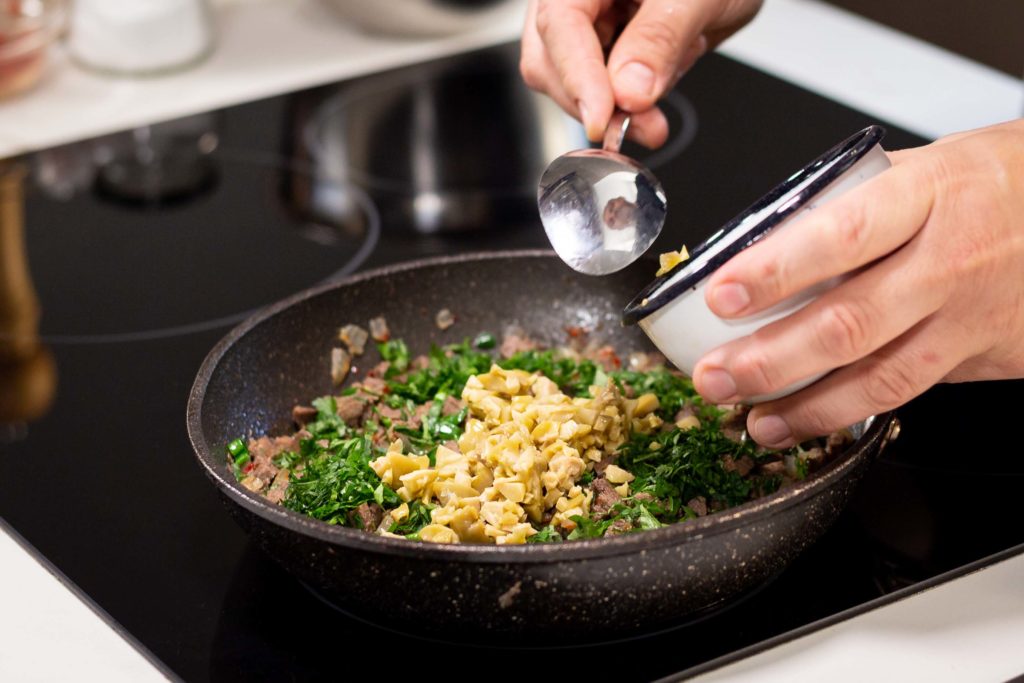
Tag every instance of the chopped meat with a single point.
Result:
(419, 363)
(619, 526)
(452, 406)
(606, 357)
(253, 483)
(303, 415)
(444, 319)
(602, 465)
(685, 412)
(378, 370)
(341, 363)
(379, 329)
(605, 497)
(741, 466)
(390, 413)
(350, 409)
(374, 385)
(263, 451)
(837, 441)
(367, 516)
(267, 447)
(354, 338)
(776, 467)
(815, 456)
(699, 505)
(451, 445)
(734, 423)
(278, 487)
(265, 469)
(514, 343)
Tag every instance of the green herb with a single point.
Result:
(673, 392)
(588, 528)
(396, 353)
(419, 517)
(485, 340)
(548, 534)
(676, 466)
(447, 370)
(287, 460)
(336, 480)
(328, 424)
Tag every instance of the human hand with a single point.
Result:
(940, 238)
(564, 44)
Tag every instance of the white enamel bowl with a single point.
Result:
(672, 310)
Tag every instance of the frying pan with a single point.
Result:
(546, 593)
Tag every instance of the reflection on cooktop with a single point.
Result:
(426, 143)
(132, 256)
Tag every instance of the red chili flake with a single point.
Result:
(575, 331)
(249, 467)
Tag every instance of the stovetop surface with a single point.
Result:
(134, 292)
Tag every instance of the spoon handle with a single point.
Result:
(615, 133)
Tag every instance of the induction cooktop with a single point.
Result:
(127, 257)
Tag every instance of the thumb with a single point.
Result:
(654, 46)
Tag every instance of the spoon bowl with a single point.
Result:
(601, 210)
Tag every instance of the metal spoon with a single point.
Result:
(601, 210)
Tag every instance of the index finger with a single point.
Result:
(864, 224)
(567, 29)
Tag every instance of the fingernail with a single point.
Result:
(717, 385)
(637, 78)
(584, 114)
(730, 298)
(771, 430)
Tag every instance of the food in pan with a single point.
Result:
(526, 445)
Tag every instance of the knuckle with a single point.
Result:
(844, 330)
(660, 38)
(771, 279)
(811, 418)
(890, 383)
(848, 227)
(756, 374)
(545, 20)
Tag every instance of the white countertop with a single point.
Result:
(267, 47)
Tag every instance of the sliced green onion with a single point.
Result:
(237, 448)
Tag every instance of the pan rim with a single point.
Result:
(875, 434)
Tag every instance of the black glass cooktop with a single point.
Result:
(139, 250)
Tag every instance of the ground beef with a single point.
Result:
(452, 406)
(263, 451)
(367, 516)
(350, 409)
(699, 506)
(619, 526)
(741, 466)
(605, 497)
(606, 357)
(373, 385)
(514, 343)
(602, 464)
(734, 423)
(303, 415)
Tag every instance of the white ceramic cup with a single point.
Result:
(672, 310)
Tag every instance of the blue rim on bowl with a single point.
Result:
(841, 157)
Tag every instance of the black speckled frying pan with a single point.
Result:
(579, 591)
